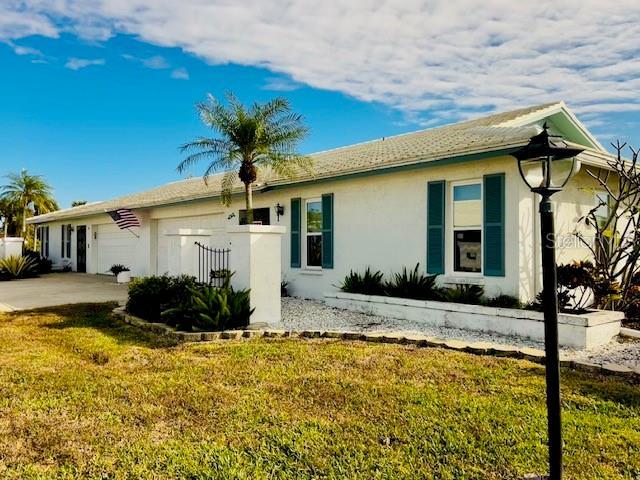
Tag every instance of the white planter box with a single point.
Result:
(576, 331)
(123, 277)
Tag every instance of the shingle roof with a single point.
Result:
(478, 135)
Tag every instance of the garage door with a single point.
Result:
(114, 246)
(171, 225)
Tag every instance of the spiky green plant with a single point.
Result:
(263, 135)
(471, 294)
(413, 284)
(367, 283)
(15, 267)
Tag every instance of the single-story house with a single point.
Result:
(450, 198)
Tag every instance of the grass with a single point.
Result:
(84, 396)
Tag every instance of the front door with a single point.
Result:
(81, 249)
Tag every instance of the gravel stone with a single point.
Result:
(310, 315)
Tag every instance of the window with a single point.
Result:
(260, 216)
(603, 239)
(66, 241)
(43, 236)
(313, 232)
(602, 202)
(467, 227)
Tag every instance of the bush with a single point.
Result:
(413, 284)
(182, 303)
(44, 264)
(368, 283)
(221, 308)
(503, 301)
(471, 294)
(15, 267)
(150, 296)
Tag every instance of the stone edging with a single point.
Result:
(477, 348)
(629, 332)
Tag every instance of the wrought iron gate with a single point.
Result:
(213, 264)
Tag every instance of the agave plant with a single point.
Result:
(367, 283)
(471, 294)
(222, 307)
(413, 284)
(18, 267)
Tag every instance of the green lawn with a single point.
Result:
(84, 396)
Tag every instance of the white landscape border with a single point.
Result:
(586, 331)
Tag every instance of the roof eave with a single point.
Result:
(415, 162)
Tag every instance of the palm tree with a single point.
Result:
(264, 135)
(30, 194)
(7, 215)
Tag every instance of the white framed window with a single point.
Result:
(66, 241)
(43, 236)
(467, 222)
(602, 202)
(313, 233)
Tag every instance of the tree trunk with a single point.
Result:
(24, 221)
(248, 196)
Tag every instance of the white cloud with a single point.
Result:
(22, 50)
(451, 58)
(156, 62)
(180, 74)
(280, 84)
(78, 63)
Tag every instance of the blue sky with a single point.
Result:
(97, 96)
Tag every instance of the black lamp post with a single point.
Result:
(546, 164)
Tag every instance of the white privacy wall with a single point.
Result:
(379, 221)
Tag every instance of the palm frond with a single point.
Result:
(228, 182)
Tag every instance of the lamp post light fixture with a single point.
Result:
(546, 165)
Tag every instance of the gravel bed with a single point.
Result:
(299, 314)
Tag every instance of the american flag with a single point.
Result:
(124, 218)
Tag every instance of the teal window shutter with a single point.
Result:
(435, 227)
(327, 230)
(295, 232)
(494, 215)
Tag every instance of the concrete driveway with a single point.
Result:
(59, 289)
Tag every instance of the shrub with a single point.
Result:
(150, 296)
(564, 303)
(471, 294)
(15, 267)
(221, 308)
(413, 284)
(118, 268)
(632, 312)
(367, 283)
(503, 301)
(44, 264)
(284, 288)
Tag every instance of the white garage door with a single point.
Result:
(171, 225)
(114, 246)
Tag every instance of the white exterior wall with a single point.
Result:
(379, 221)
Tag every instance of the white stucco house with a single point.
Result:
(449, 198)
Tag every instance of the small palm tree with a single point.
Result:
(264, 135)
(7, 216)
(30, 194)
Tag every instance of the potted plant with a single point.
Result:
(122, 273)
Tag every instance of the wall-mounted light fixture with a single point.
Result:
(279, 211)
